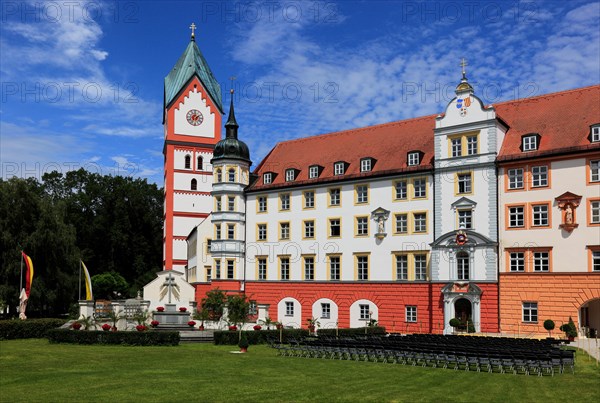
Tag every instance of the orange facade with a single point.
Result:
(558, 295)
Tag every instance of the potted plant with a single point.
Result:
(313, 323)
(86, 322)
(549, 326)
(76, 325)
(114, 317)
(160, 308)
(141, 328)
(278, 325)
(191, 323)
(569, 329)
(154, 323)
(455, 323)
(106, 327)
(257, 327)
(267, 322)
(182, 309)
(232, 328)
(201, 315)
(243, 344)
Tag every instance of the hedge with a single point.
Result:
(28, 329)
(257, 336)
(357, 331)
(149, 338)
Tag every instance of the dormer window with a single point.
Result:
(595, 135)
(290, 175)
(313, 172)
(530, 142)
(414, 158)
(366, 164)
(339, 168)
(267, 178)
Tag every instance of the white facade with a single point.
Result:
(194, 102)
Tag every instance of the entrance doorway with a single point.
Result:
(589, 317)
(463, 310)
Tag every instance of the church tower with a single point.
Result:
(192, 124)
(231, 165)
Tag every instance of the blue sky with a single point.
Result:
(82, 81)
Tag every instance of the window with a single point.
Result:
(309, 229)
(411, 313)
(595, 134)
(421, 267)
(309, 268)
(208, 274)
(218, 203)
(456, 145)
(262, 204)
(335, 197)
(362, 267)
(313, 172)
(208, 244)
(362, 226)
(400, 190)
(284, 230)
(420, 222)
(401, 224)
(262, 232)
(471, 145)
(230, 203)
(284, 201)
(231, 175)
(335, 227)
(217, 269)
(252, 308)
(530, 312)
(338, 168)
(462, 266)
(364, 311)
(334, 268)
(515, 178)
(194, 184)
(465, 219)
(541, 261)
(595, 171)
(539, 176)
(419, 188)
(365, 165)
(517, 261)
(464, 183)
(230, 231)
(219, 175)
(290, 175)
(325, 310)
(540, 215)
(362, 194)
(230, 269)
(199, 164)
(285, 268)
(309, 199)
(401, 267)
(262, 268)
(289, 308)
(516, 217)
(267, 178)
(413, 158)
(595, 260)
(187, 162)
(595, 212)
(530, 143)
(217, 231)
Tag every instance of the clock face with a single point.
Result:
(194, 117)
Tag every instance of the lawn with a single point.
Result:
(35, 371)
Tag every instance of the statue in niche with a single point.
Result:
(568, 214)
(381, 225)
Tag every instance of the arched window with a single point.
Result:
(232, 175)
(219, 175)
(199, 166)
(194, 184)
(462, 265)
(188, 162)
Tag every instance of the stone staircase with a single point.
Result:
(196, 336)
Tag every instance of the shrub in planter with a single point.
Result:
(257, 327)
(160, 308)
(106, 327)
(76, 325)
(182, 309)
(569, 329)
(191, 323)
(141, 328)
(232, 328)
(549, 325)
(243, 344)
(455, 322)
(154, 323)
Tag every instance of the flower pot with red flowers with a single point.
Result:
(106, 327)
(257, 327)
(191, 323)
(141, 328)
(76, 325)
(160, 308)
(154, 323)
(182, 309)
(233, 328)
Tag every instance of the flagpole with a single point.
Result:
(80, 279)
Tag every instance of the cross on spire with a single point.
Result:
(193, 28)
(463, 64)
(232, 79)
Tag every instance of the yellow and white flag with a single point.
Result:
(88, 283)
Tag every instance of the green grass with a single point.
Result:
(35, 371)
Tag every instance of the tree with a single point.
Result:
(109, 285)
(214, 303)
(238, 309)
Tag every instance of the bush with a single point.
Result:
(454, 322)
(357, 331)
(253, 337)
(120, 338)
(28, 329)
(549, 324)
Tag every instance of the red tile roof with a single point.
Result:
(562, 119)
